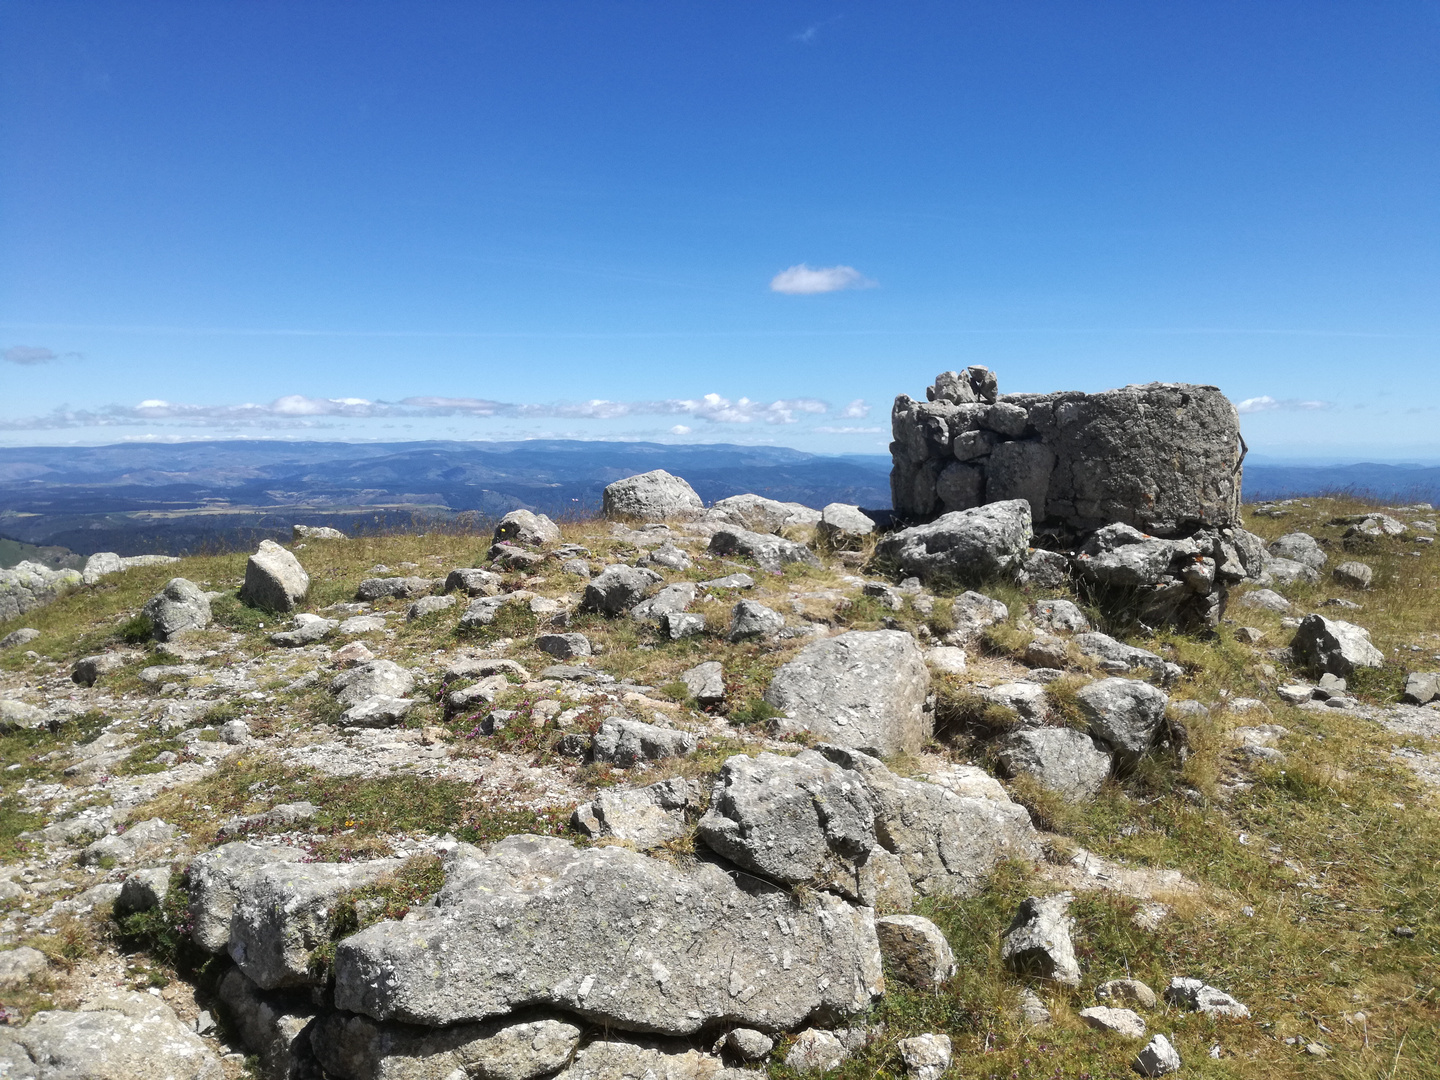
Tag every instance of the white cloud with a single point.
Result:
(827, 430)
(803, 280)
(680, 429)
(1266, 403)
(856, 410)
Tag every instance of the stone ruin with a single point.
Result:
(1137, 488)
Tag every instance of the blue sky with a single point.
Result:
(734, 222)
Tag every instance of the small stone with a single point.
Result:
(916, 950)
(17, 965)
(23, 636)
(1353, 575)
(748, 1044)
(1404, 931)
(1038, 940)
(234, 732)
(1194, 994)
(946, 660)
(925, 1056)
(682, 624)
(749, 619)
(1032, 1009)
(1121, 1021)
(1130, 991)
(1158, 1058)
(428, 605)
(705, 682)
(816, 1051)
(564, 646)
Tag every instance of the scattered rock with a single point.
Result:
(1046, 569)
(316, 532)
(671, 600)
(1060, 617)
(379, 711)
(1194, 994)
(1116, 656)
(1299, 547)
(361, 624)
(667, 555)
(946, 659)
(1264, 600)
(274, 579)
(1333, 645)
(471, 954)
(646, 817)
(1353, 575)
(24, 636)
(1125, 713)
(652, 496)
(626, 742)
(1289, 572)
(143, 890)
(748, 1044)
(618, 589)
(1032, 1009)
(861, 689)
(682, 625)
(18, 965)
(1038, 940)
(1060, 759)
(1121, 1021)
(926, 1056)
(816, 1051)
(18, 715)
(116, 1036)
(793, 820)
(771, 553)
(119, 849)
(564, 646)
(473, 581)
(308, 629)
(614, 1060)
(749, 619)
(843, 526)
(915, 950)
(181, 605)
(972, 545)
(527, 527)
(1158, 1058)
(974, 613)
(1130, 991)
(428, 605)
(762, 514)
(376, 678)
(1421, 687)
(394, 588)
(705, 682)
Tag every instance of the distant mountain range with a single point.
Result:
(179, 497)
(175, 498)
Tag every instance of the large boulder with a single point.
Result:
(842, 525)
(29, 585)
(652, 496)
(357, 1048)
(116, 1036)
(274, 579)
(180, 606)
(15, 715)
(973, 545)
(793, 820)
(612, 936)
(1060, 759)
(862, 689)
(1334, 646)
(771, 553)
(1038, 940)
(916, 950)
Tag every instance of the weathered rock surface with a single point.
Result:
(705, 682)
(843, 526)
(1299, 547)
(946, 843)
(751, 619)
(1421, 687)
(1128, 991)
(564, 646)
(816, 1051)
(29, 585)
(181, 605)
(1121, 1021)
(611, 1059)
(316, 532)
(474, 581)
(214, 879)
(652, 496)
(1038, 940)
(792, 819)
(748, 1044)
(282, 915)
(646, 817)
(926, 1057)
(671, 600)
(527, 527)
(1334, 646)
(427, 606)
(117, 1036)
(974, 613)
(275, 1027)
(274, 579)
(627, 940)
(308, 629)
(1158, 1058)
(862, 689)
(760, 514)
(18, 715)
(626, 742)
(16, 638)
(915, 950)
(771, 553)
(1195, 994)
(397, 588)
(973, 545)
(375, 678)
(1060, 759)
(18, 965)
(1353, 575)
(1125, 713)
(357, 1048)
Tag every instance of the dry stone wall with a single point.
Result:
(1163, 457)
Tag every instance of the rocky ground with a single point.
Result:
(720, 793)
